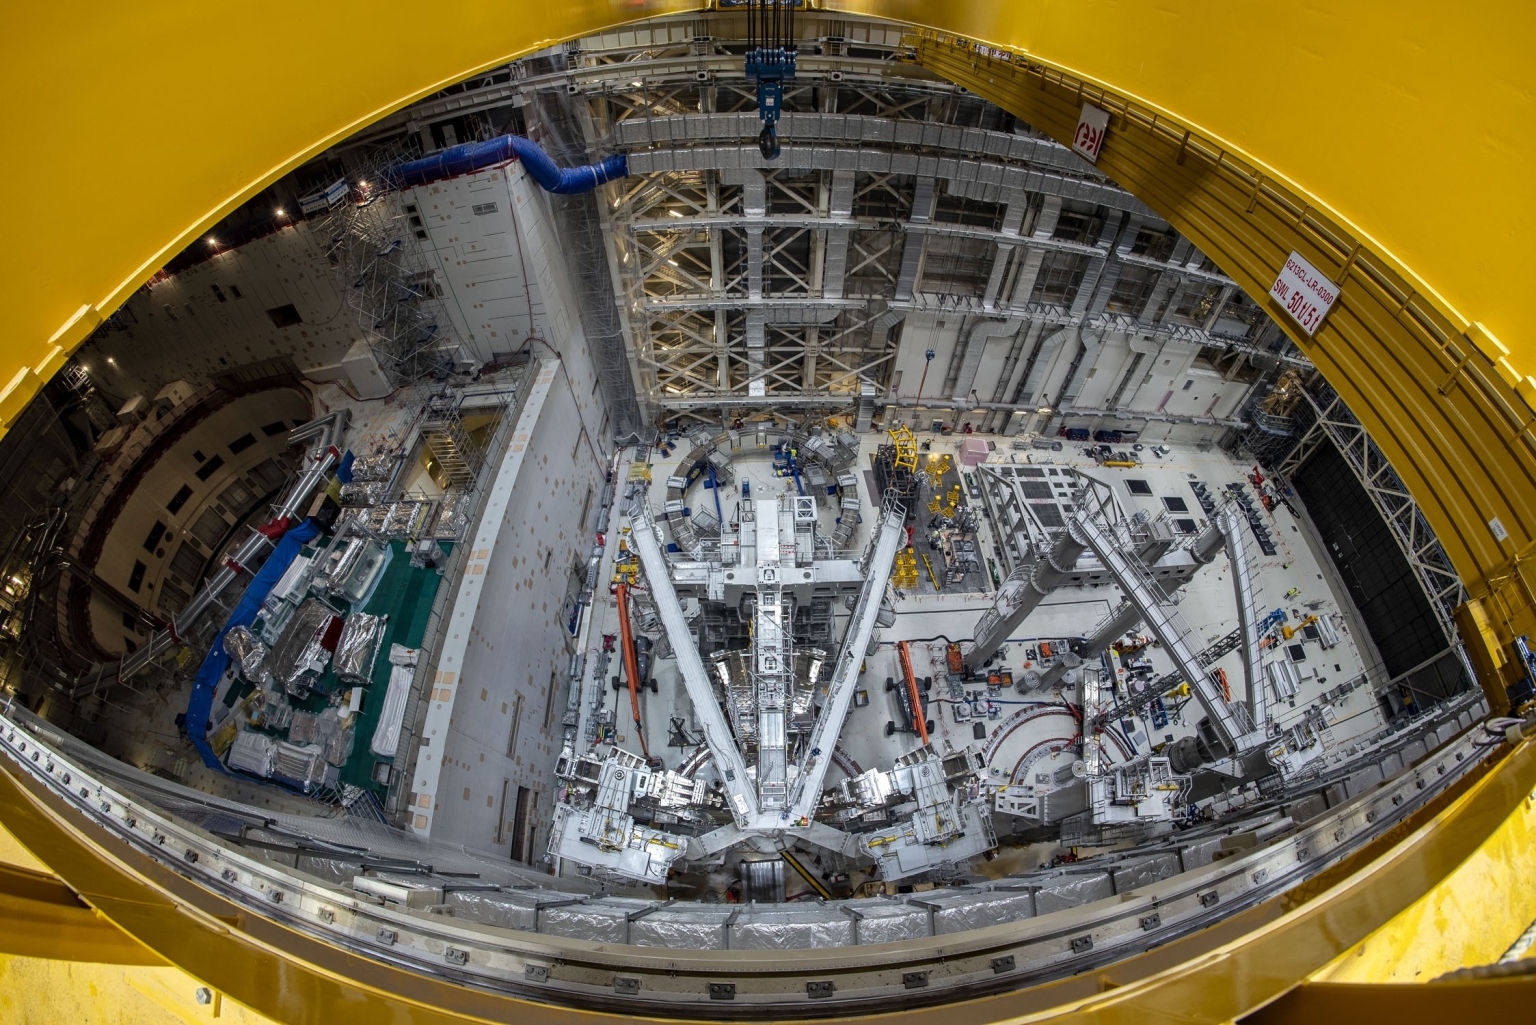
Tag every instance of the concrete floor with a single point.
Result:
(1016, 747)
(1021, 740)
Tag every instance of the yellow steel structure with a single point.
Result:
(906, 447)
(1387, 142)
(1462, 849)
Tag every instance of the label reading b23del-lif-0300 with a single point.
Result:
(1303, 293)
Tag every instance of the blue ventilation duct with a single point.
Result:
(474, 155)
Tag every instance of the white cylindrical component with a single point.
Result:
(1121, 620)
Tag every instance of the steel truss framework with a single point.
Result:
(700, 250)
(1431, 567)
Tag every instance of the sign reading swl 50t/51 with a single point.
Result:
(1304, 293)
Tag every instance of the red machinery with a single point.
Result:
(631, 665)
(917, 701)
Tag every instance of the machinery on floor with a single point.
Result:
(769, 714)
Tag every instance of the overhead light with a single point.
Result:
(111, 362)
(279, 212)
(635, 84)
(673, 213)
(213, 241)
(671, 263)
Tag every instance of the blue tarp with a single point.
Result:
(244, 614)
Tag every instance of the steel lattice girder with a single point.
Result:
(1334, 422)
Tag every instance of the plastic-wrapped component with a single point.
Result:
(1128, 875)
(338, 747)
(1199, 853)
(690, 929)
(502, 910)
(759, 929)
(302, 765)
(599, 923)
(978, 910)
(361, 494)
(249, 653)
(251, 752)
(276, 712)
(359, 647)
(355, 580)
(332, 870)
(400, 655)
(886, 921)
(1069, 891)
(302, 729)
(386, 737)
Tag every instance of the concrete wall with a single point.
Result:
(472, 240)
(553, 298)
(216, 504)
(179, 329)
(493, 724)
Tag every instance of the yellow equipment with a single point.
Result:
(1423, 366)
(906, 447)
(931, 575)
(904, 573)
(953, 501)
(1288, 631)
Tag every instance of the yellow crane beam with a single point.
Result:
(1465, 855)
(1254, 135)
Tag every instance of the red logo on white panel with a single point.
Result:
(1092, 123)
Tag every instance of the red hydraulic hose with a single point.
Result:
(917, 702)
(631, 665)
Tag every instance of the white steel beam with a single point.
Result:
(646, 537)
(1168, 627)
(1232, 522)
(845, 677)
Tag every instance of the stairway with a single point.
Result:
(443, 432)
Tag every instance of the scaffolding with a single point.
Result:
(390, 287)
(444, 435)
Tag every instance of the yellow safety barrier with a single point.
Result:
(1255, 131)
